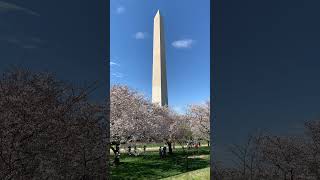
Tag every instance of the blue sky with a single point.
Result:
(187, 33)
(68, 39)
(266, 68)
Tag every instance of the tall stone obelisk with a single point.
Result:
(159, 72)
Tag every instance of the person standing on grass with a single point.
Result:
(160, 152)
(164, 151)
(144, 148)
(129, 149)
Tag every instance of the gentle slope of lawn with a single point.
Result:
(201, 174)
(150, 166)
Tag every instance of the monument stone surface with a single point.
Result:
(159, 72)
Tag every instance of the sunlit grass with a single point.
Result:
(150, 166)
(201, 174)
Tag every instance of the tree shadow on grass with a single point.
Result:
(150, 166)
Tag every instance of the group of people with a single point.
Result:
(134, 152)
(163, 152)
(193, 144)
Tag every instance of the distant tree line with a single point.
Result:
(271, 157)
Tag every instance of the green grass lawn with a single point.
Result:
(150, 166)
(201, 174)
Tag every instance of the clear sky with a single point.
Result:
(266, 67)
(187, 33)
(67, 38)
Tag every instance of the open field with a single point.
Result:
(150, 147)
(140, 149)
(150, 166)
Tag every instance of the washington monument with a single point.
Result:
(159, 72)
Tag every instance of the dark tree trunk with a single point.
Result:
(170, 147)
(117, 159)
(116, 152)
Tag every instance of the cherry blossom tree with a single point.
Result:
(164, 120)
(285, 153)
(131, 117)
(199, 116)
(169, 126)
(271, 157)
(49, 129)
(135, 118)
(313, 147)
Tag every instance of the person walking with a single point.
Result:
(129, 150)
(160, 152)
(164, 151)
(144, 148)
(135, 150)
